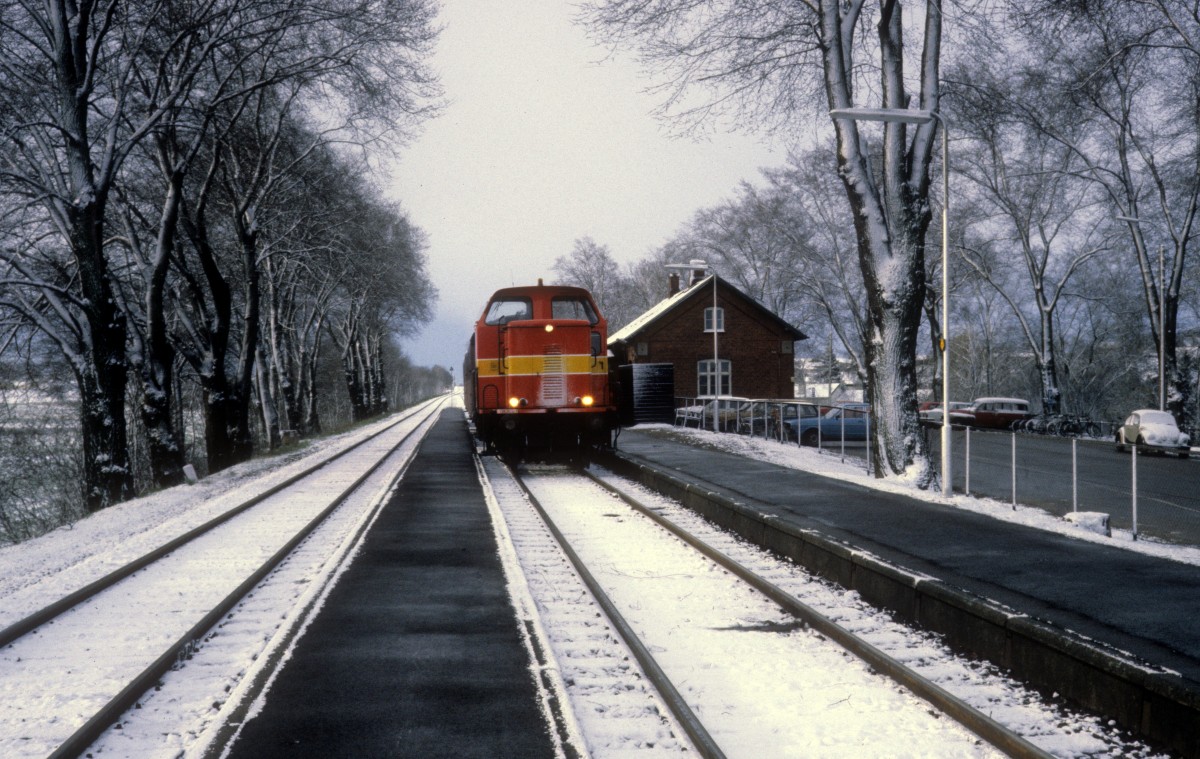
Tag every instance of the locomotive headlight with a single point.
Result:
(549, 327)
(587, 400)
(515, 402)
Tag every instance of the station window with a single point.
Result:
(708, 319)
(709, 382)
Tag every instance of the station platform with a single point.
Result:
(417, 650)
(1128, 601)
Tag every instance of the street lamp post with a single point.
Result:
(1162, 335)
(716, 367)
(906, 116)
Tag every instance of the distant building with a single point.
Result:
(755, 348)
(838, 392)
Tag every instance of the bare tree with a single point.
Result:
(72, 112)
(385, 292)
(1031, 206)
(765, 61)
(760, 241)
(83, 86)
(591, 266)
(1131, 72)
(817, 221)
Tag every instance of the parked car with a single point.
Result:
(931, 412)
(992, 413)
(701, 413)
(1154, 430)
(847, 422)
(729, 410)
(771, 417)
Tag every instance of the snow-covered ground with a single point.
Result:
(763, 686)
(184, 715)
(52, 680)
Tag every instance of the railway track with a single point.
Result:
(94, 653)
(600, 534)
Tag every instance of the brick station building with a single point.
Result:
(755, 347)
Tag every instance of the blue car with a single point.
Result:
(848, 422)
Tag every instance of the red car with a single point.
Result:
(992, 413)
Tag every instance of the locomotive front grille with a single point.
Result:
(554, 384)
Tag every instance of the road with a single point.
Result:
(1168, 487)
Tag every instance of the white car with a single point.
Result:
(1155, 430)
(933, 414)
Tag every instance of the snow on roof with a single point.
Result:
(655, 311)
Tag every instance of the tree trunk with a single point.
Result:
(108, 478)
(227, 438)
(891, 218)
(266, 400)
(158, 362)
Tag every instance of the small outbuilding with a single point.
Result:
(719, 340)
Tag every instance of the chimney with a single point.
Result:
(673, 280)
(698, 267)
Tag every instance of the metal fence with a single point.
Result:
(1147, 494)
(786, 421)
(1081, 478)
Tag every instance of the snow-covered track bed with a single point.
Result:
(762, 672)
(73, 667)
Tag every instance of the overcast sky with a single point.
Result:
(544, 142)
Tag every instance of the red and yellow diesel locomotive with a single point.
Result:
(535, 376)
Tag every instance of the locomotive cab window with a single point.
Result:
(505, 310)
(573, 308)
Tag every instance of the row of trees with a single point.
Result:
(184, 189)
(1075, 133)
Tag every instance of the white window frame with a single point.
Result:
(708, 319)
(704, 377)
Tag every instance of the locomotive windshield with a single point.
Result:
(505, 310)
(573, 308)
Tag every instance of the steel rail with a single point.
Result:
(31, 622)
(996, 734)
(691, 724)
(127, 698)
(227, 732)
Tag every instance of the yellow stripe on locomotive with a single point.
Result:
(525, 366)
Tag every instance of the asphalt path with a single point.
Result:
(1050, 475)
(416, 652)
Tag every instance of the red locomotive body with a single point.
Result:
(536, 374)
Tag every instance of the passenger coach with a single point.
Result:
(536, 374)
